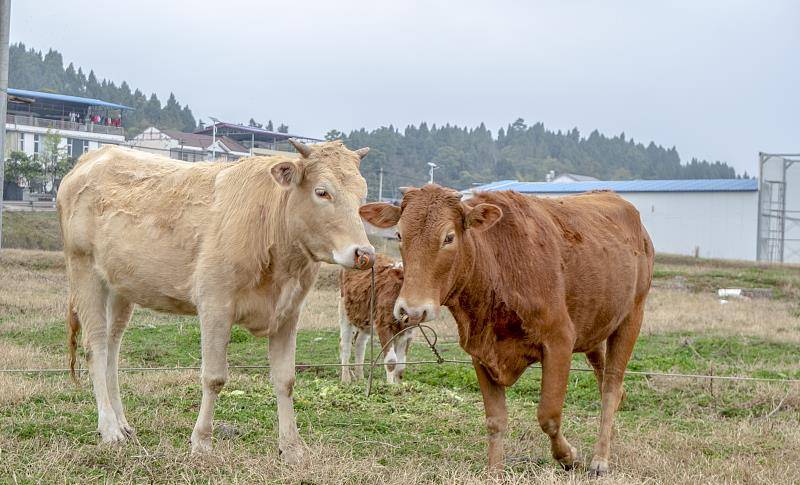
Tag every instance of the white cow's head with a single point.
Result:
(325, 191)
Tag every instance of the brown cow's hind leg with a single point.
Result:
(494, 405)
(620, 346)
(555, 374)
(597, 359)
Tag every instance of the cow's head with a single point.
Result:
(433, 226)
(325, 192)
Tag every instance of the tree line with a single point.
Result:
(467, 156)
(36, 71)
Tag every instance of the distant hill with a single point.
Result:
(31, 69)
(471, 155)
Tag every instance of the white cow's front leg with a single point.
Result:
(281, 356)
(215, 332)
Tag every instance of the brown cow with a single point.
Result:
(552, 277)
(356, 288)
(231, 242)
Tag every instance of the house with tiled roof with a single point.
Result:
(190, 147)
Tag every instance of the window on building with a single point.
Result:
(37, 144)
(69, 146)
(21, 142)
(85, 146)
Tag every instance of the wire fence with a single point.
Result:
(57, 370)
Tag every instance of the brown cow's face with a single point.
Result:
(432, 223)
(326, 190)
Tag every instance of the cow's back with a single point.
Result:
(141, 219)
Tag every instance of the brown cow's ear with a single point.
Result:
(286, 173)
(380, 214)
(482, 217)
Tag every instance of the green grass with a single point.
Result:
(420, 418)
(31, 230)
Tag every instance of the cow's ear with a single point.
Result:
(482, 216)
(380, 214)
(287, 173)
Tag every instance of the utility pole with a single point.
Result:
(5, 24)
(380, 185)
(214, 138)
(433, 167)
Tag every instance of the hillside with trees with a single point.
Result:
(466, 156)
(33, 70)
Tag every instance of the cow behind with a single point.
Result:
(354, 303)
(231, 242)
(528, 279)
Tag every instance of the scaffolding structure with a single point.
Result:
(779, 207)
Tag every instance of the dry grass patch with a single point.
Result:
(681, 311)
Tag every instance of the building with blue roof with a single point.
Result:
(714, 218)
(82, 123)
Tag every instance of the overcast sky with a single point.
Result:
(718, 79)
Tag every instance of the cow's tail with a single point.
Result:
(73, 328)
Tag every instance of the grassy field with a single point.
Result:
(427, 430)
(31, 230)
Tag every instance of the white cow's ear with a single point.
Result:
(482, 216)
(380, 214)
(286, 173)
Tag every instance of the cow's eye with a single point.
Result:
(397, 234)
(322, 193)
(448, 239)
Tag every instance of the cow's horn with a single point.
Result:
(405, 190)
(301, 147)
(362, 152)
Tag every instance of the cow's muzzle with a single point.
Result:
(357, 257)
(404, 312)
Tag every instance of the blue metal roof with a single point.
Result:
(24, 93)
(697, 185)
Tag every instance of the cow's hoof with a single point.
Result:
(127, 429)
(292, 453)
(112, 434)
(570, 461)
(598, 468)
(201, 445)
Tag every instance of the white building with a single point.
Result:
(82, 123)
(190, 147)
(707, 218)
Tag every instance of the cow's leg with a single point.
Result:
(390, 361)
(361, 349)
(555, 375)
(346, 333)
(620, 346)
(89, 294)
(118, 313)
(494, 405)
(401, 351)
(597, 359)
(215, 333)
(281, 357)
